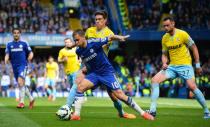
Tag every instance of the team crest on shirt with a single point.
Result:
(177, 39)
(11, 46)
(20, 46)
(91, 50)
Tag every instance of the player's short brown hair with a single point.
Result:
(79, 32)
(16, 28)
(101, 12)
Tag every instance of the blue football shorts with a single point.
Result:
(183, 71)
(109, 80)
(20, 71)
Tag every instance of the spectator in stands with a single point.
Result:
(5, 82)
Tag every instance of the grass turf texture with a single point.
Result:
(99, 112)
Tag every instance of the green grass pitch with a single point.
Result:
(99, 112)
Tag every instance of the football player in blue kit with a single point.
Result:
(19, 53)
(99, 70)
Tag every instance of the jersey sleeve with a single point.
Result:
(28, 48)
(187, 39)
(60, 55)
(164, 47)
(100, 42)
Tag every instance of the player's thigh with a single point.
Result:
(90, 81)
(162, 75)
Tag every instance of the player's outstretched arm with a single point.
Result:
(118, 37)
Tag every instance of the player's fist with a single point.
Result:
(199, 71)
(164, 66)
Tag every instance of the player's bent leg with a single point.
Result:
(199, 97)
(83, 86)
(79, 97)
(158, 78)
(118, 106)
(130, 102)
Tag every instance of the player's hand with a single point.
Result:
(164, 66)
(124, 38)
(65, 59)
(199, 71)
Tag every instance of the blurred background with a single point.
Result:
(45, 24)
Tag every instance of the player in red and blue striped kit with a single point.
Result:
(19, 53)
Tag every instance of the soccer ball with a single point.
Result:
(64, 112)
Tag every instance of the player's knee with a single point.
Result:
(112, 96)
(192, 87)
(20, 81)
(119, 94)
(155, 80)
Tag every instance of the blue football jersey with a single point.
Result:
(18, 52)
(94, 58)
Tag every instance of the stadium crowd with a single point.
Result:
(146, 14)
(135, 75)
(87, 10)
(193, 17)
(31, 17)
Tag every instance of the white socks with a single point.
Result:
(78, 104)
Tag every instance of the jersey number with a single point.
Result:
(115, 85)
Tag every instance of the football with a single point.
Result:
(64, 112)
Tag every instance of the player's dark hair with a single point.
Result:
(79, 32)
(50, 57)
(16, 28)
(101, 12)
(168, 18)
